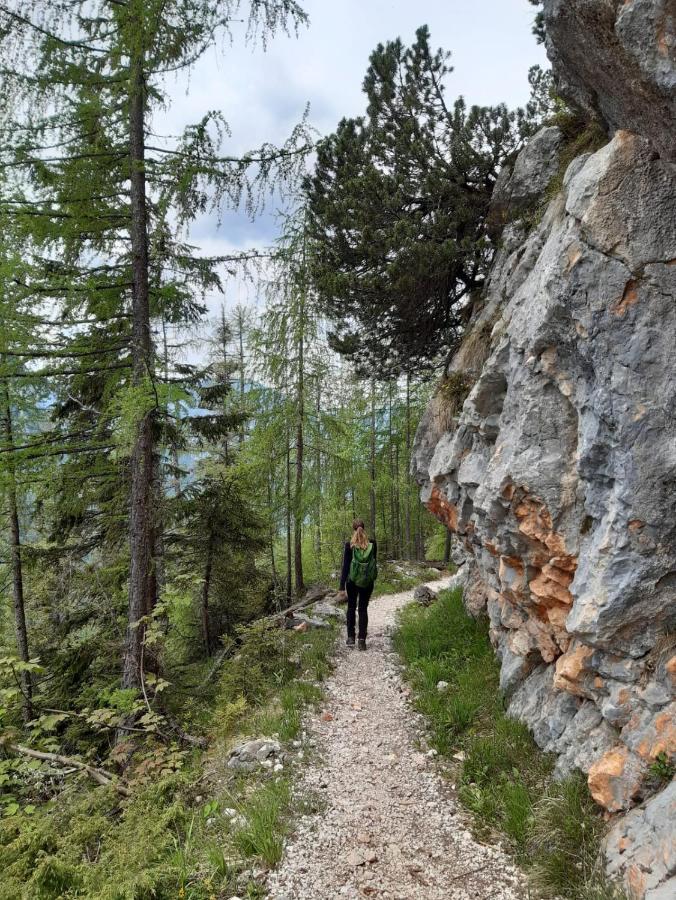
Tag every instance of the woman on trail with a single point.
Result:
(357, 578)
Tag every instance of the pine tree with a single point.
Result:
(397, 204)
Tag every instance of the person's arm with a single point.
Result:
(347, 559)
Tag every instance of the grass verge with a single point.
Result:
(553, 828)
(402, 575)
(192, 828)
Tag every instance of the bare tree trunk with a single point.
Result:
(397, 503)
(390, 453)
(409, 543)
(300, 450)
(288, 518)
(318, 468)
(372, 463)
(142, 495)
(16, 562)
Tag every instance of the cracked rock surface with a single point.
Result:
(390, 827)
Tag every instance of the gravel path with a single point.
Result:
(391, 828)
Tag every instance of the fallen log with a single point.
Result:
(100, 776)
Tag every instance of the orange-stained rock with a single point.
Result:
(671, 670)
(442, 508)
(557, 615)
(549, 590)
(636, 881)
(629, 298)
(615, 779)
(570, 669)
(657, 736)
(543, 638)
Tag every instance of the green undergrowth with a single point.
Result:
(402, 575)
(553, 828)
(195, 830)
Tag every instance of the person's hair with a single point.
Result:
(359, 538)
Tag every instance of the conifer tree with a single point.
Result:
(100, 194)
(397, 203)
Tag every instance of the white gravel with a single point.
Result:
(391, 828)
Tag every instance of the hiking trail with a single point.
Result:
(390, 827)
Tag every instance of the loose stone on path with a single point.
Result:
(390, 827)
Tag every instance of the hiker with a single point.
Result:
(357, 578)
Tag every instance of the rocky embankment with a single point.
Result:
(558, 472)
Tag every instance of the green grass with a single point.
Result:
(265, 822)
(553, 828)
(395, 576)
(173, 838)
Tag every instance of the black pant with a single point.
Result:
(363, 595)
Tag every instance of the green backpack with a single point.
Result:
(363, 568)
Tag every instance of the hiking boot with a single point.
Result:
(362, 644)
(350, 640)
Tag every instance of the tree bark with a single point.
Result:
(289, 564)
(300, 449)
(142, 495)
(16, 563)
(372, 463)
(409, 543)
(318, 468)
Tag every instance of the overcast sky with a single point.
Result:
(263, 94)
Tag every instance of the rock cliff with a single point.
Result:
(558, 469)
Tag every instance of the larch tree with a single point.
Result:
(104, 203)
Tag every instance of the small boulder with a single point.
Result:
(442, 687)
(301, 622)
(423, 595)
(327, 609)
(248, 756)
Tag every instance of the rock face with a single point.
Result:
(615, 59)
(559, 472)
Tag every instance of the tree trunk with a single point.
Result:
(142, 495)
(289, 579)
(409, 543)
(372, 463)
(300, 450)
(240, 324)
(318, 468)
(397, 502)
(204, 599)
(16, 562)
(390, 442)
(224, 351)
(273, 566)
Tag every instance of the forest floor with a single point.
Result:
(390, 826)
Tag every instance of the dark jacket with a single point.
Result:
(347, 559)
